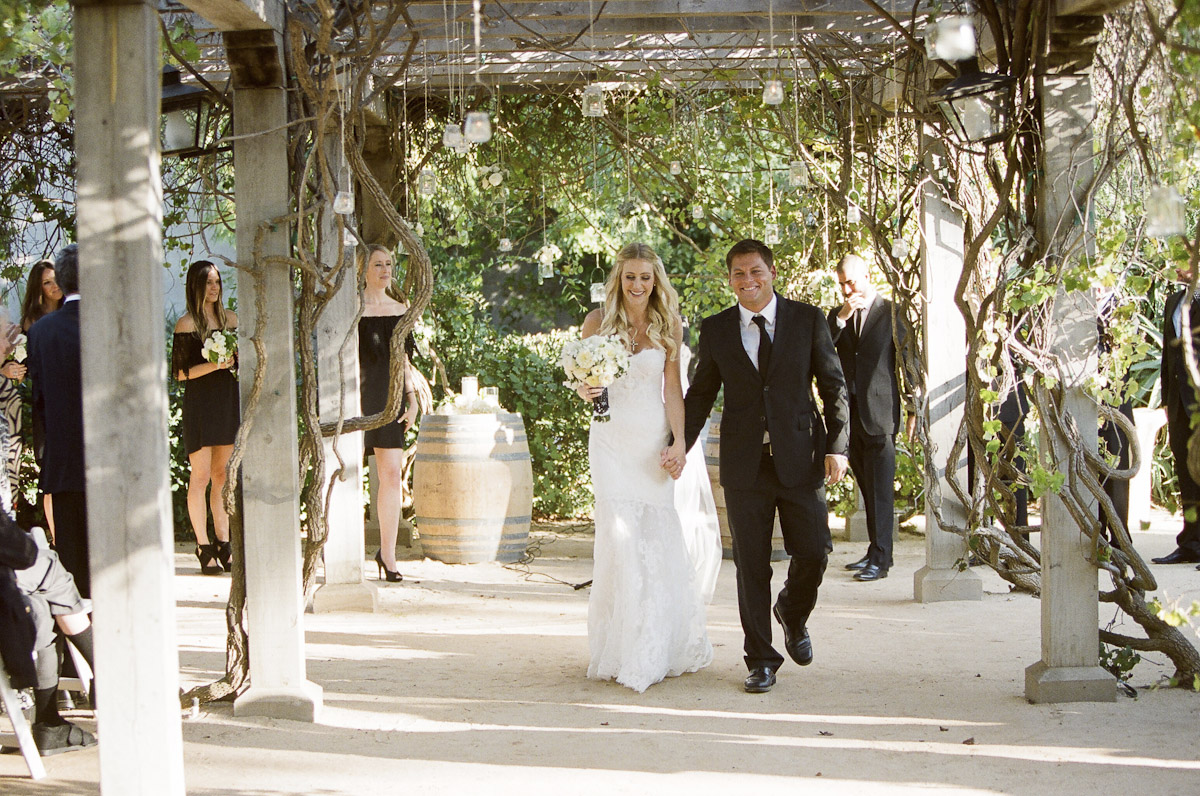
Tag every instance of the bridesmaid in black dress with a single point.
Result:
(210, 410)
(42, 297)
(381, 313)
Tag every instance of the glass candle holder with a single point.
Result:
(343, 203)
(461, 147)
(505, 245)
(773, 92)
(955, 39)
(853, 214)
(676, 168)
(470, 387)
(597, 292)
(427, 182)
(900, 248)
(490, 396)
(1165, 212)
(697, 212)
(478, 127)
(451, 135)
(593, 101)
(771, 234)
(798, 174)
(545, 269)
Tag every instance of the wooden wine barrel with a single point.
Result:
(473, 488)
(712, 447)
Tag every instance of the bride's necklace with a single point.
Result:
(637, 333)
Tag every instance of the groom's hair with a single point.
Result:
(750, 246)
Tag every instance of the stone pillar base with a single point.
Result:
(300, 703)
(333, 597)
(1045, 683)
(856, 527)
(940, 585)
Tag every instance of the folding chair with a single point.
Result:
(12, 706)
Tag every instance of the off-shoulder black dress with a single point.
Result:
(211, 411)
(374, 350)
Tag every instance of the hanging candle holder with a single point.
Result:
(593, 101)
(900, 249)
(676, 168)
(343, 203)
(461, 147)
(697, 212)
(1165, 212)
(426, 183)
(798, 174)
(478, 127)
(771, 235)
(955, 39)
(419, 228)
(853, 212)
(545, 268)
(452, 135)
(597, 292)
(505, 245)
(810, 219)
(773, 92)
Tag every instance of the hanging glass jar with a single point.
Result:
(773, 92)
(676, 168)
(461, 147)
(798, 174)
(426, 183)
(478, 127)
(593, 101)
(771, 234)
(597, 292)
(451, 135)
(1165, 212)
(343, 203)
(955, 40)
(900, 249)
(853, 213)
(505, 245)
(697, 212)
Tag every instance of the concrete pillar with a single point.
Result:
(856, 522)
(1148, 422)
(945, 344)
(270, 488)
(117, 74)
(337, 371)
(1069, 670)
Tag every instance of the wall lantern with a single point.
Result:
(185, 109)
(977, 104)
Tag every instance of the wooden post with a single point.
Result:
(337, 372)
(1069, 670)
(118, 78)
(945, 344)
(278, 684)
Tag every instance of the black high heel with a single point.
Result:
(384, 572)
(206, 554)
(225, 555)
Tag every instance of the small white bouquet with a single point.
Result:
(219, 346)
(19, 349)
(595, 361)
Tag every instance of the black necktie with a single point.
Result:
(858, 321)
(764, 345)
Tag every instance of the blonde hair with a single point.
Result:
(662, 311)
(393, 290)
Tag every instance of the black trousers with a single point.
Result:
(71, 536)
(1188, 539)
(804, 519)
(873, 461)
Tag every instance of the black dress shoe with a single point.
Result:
(760, 681)
(871, 572)
(1177, 557)
(860, 563)
(797, 642)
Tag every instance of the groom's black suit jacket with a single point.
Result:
(782, 403)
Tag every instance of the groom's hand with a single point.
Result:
(835, 467)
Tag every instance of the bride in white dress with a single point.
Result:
(651, 580)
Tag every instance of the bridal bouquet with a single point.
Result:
(595, 361)
(219, 346)
(19, 350)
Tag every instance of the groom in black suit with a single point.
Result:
(776, 451)
(57, 373)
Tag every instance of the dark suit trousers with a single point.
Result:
(804, 519)
(1188, 539)
(71, 537)
(873, 460)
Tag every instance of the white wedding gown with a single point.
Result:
(646, 616)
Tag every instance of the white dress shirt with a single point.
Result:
(750, 328)
(866, 308)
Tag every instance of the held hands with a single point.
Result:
(673, 458)
(854, 302)
(835, 467)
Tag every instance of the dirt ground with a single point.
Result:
(472, 678)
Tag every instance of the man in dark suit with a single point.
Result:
(1179, 398)
(776, 452)
(56, 372)
(862, 333)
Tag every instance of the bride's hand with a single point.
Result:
(589, 393)
(673, 458)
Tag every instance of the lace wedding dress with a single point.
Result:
(646, 616)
